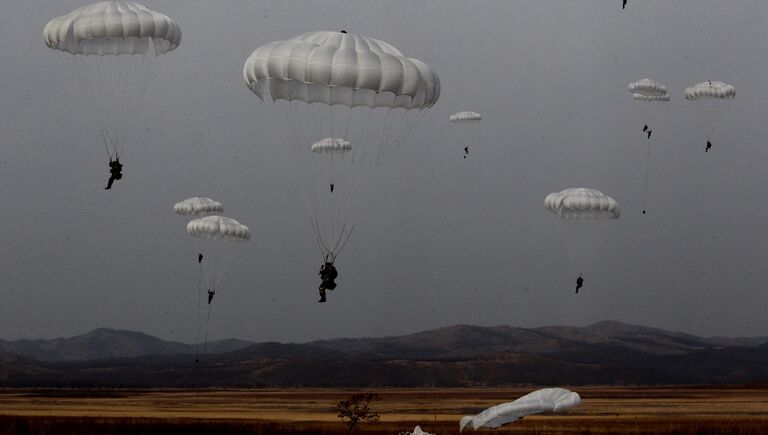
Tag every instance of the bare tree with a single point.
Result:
(357, 408)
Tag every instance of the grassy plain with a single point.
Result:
(625, 410)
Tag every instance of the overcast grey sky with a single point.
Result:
(448, 240)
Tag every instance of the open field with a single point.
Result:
(649, 410)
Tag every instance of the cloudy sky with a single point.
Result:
(441, 240)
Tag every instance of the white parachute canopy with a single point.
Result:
(467, 131)
(582, 203)
(710, 89)
(217, 237)
(648, 90)
(219, 228)
(198, 206)
(715, 96)
(583, 213)
(114, 48)
(331, 145)
(416, 431)
(547, 400)
(465, 116)
(362, 94)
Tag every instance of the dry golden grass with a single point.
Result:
(648, 410)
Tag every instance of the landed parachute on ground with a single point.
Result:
(583, 213)
(362, 94)
(547, 400)
(416, 431)
(114, 48)
(468, 131)
(198, 206)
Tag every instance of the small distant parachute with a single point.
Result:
(466, 116)
(547, 400)
(580, 203)
(715, 94)
(215, 236)
(115, 48)
(710, 89)
(468, 129)
(583, 213)
(219, 228)
(331, 145)
(198, 206)
(648, 90)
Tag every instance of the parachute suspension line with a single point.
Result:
(645, 184)
(197, 322)
(207, 323)
(397, 143)
(570, 248)
(594, 250)
(344, 243)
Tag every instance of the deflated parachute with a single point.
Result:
(198, 206)
(547, 400)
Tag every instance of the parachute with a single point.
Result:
(331, 145)
(582, 215)
(547, 400)
(215, 236)
(416, 431)
(198, 206)
(115, 48)
(361, 94)
(649, 91)
(468, 131)
(715, 95)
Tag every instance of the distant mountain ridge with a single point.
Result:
(105, 343)
(607, 352)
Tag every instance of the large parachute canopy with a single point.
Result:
(198, 206)
(582, 203)
(547, 400)
(583, 213)
(648, 90)
(114, 48)
(219, 228)
(340, 68)
(361, 94)
(710, 89)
